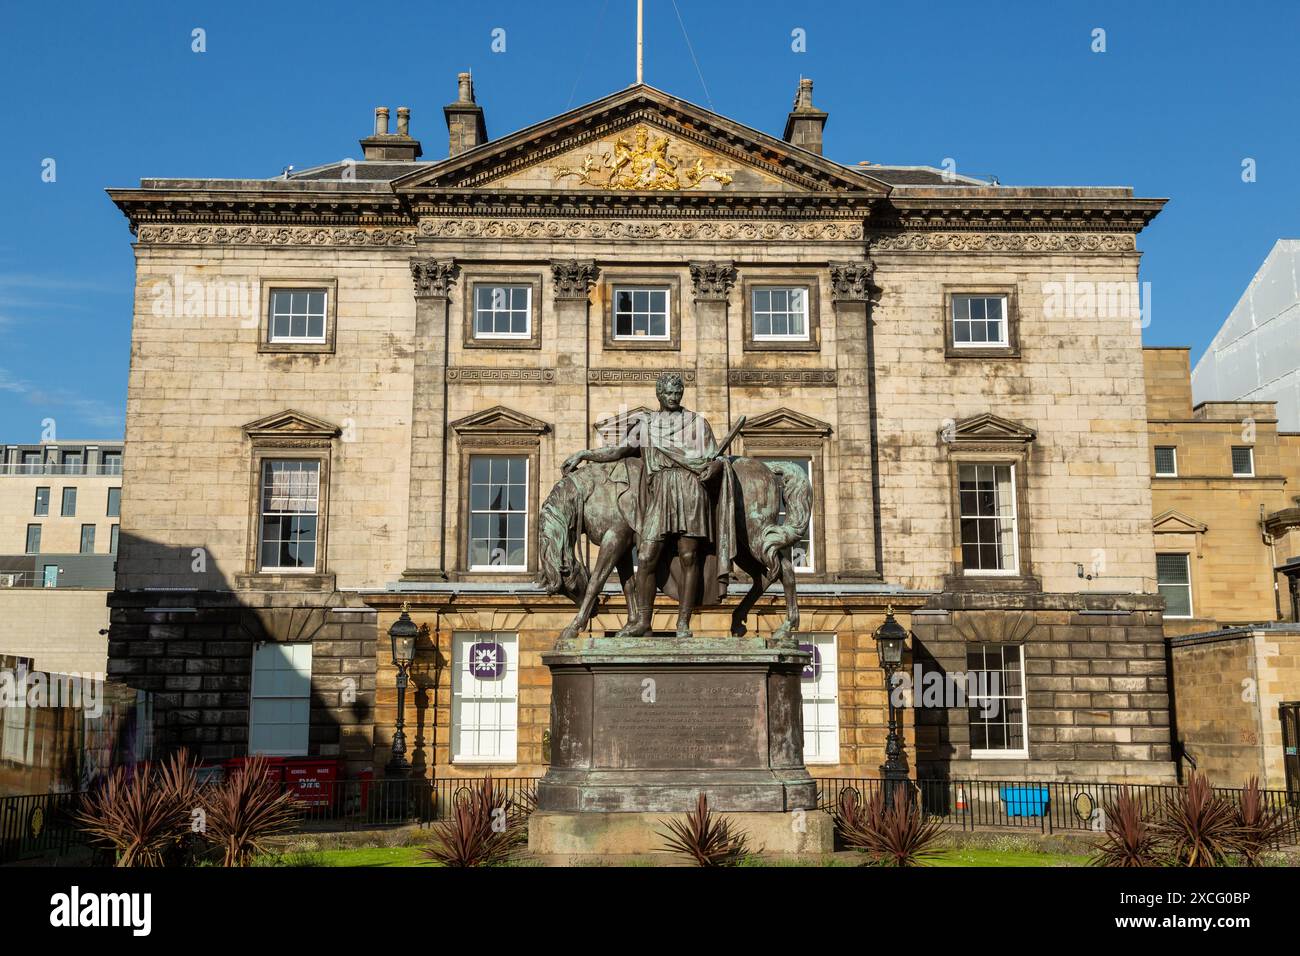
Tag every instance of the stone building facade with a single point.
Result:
(416, 346)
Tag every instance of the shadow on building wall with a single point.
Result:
(179, 630)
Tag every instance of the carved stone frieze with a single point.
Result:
(633, 376)
(274, 236)
(1033, 242)
(466, 374)
(815, 377)
(632, 229)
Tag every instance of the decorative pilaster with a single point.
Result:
(859, 486)
(711, 282)
(573, 279)
(426, 548)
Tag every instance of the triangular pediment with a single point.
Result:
(784, 421)
(641, 140)
(989, 427)
(611, 429)
(1175, 522)
(499, 420)
(290, 424)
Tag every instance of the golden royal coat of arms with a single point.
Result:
(643, 163)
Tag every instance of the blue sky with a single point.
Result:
(113, 92)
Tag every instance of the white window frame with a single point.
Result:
(824, 698)
(1173, 449)
(528, 310)
(290, 684)
(17, 733)
(262, 515)
(1006, 754)
(471, 512)
(1014, 570)
(634, 288)
(1004, 339)
(466, 688)
(1249, 450)
(321, 339)
(775, 337)
(1191, 603)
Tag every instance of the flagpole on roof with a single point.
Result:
(639, 19)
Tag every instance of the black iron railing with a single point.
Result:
(37, 824)
(1046, 806)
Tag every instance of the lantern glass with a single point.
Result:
(404, 633)
(890, 638)
(403, 649)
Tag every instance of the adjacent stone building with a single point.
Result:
(352, 386)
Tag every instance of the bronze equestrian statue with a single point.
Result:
(691, 512)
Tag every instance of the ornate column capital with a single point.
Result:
(712, 279)
(851, 281)
(433, 277)
(573, 278)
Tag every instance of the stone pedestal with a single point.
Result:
(551, 834)
(645, 726)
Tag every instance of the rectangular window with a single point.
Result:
(996, 708)
(801, 552)
(42, 502)
(821, 708)
(72, 461)
(18, 733)
(114, 509)
(87, 539)
(780, 313)
(289, 515)
(33, 463)
(112, 539)
(1174, 582)
(498, 513)
(1166, 460)
(503, 311)
(297, 315)
(988, 519)
(281, 700)
(112, 463)
(979, 321)
(485, 697)
(1243, 461)
(641, 313)
(50, 576)
(69, 508)
(33, 539)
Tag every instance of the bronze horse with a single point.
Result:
(587, 501)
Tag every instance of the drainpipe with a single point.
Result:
(1272, 563)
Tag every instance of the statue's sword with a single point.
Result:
(729, 438)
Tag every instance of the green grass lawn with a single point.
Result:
(414, 856)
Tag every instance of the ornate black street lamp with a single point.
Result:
(890, 641)
(403, 633)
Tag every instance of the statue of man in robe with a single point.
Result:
(682, 506)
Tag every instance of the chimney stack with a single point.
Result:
(805, 124)
(399, 146)
(465, 125)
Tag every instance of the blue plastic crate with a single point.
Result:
(1025, 801)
